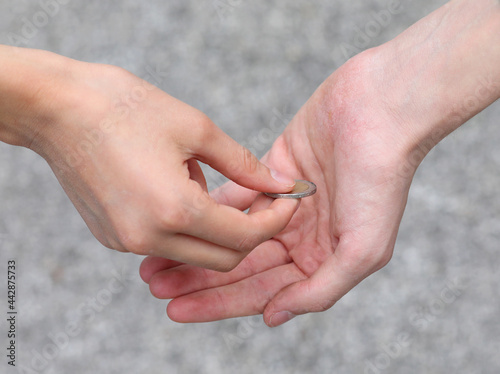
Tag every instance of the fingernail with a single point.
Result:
(282, 178)
(280, 318)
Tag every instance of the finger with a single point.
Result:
(152, 265)
(317, 293)
(231, 228)
(262, 202)
(234, 195)
(237, 163)
(198, 252)
(196, 174)
(172, 282)
(244, 298)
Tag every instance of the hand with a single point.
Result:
(360, 138)
(127, 154)
(348, 141)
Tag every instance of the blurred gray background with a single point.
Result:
(433, 309)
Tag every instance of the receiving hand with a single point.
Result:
(350, 145)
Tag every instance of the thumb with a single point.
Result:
(237, 163)
(315, 294)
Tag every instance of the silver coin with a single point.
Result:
(301, 189)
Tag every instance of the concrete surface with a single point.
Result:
(433, 309)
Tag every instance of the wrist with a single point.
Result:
(29, 83)
(442, 71)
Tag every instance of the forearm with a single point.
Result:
(28, 81)
(446, 69)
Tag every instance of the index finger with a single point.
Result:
(231, 228)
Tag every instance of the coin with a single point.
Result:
(302, 189)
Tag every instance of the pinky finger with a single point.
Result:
(152, 265)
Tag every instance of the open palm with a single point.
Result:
(346, 142)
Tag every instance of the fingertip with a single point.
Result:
(285, 180)
(152, 265)
(166, 284)
(234, 195)
(155, 288)
(179, 310)
(145, 269)
(290, 302)
(287, 207)
(245, 169)
(279, 318)
(172, 312)
(271, 180)
(272, 216)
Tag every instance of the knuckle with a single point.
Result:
(177, 216)
(202, 128)
(134, 241)
(382, 259)
(229, 263)
(175, 219)
(248, 161)
(322, 305)
(376, 257)
(367, 260)
(223, 268)
(247, 243)
(117, 73)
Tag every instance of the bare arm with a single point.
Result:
(127, 154)
(444, 69)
